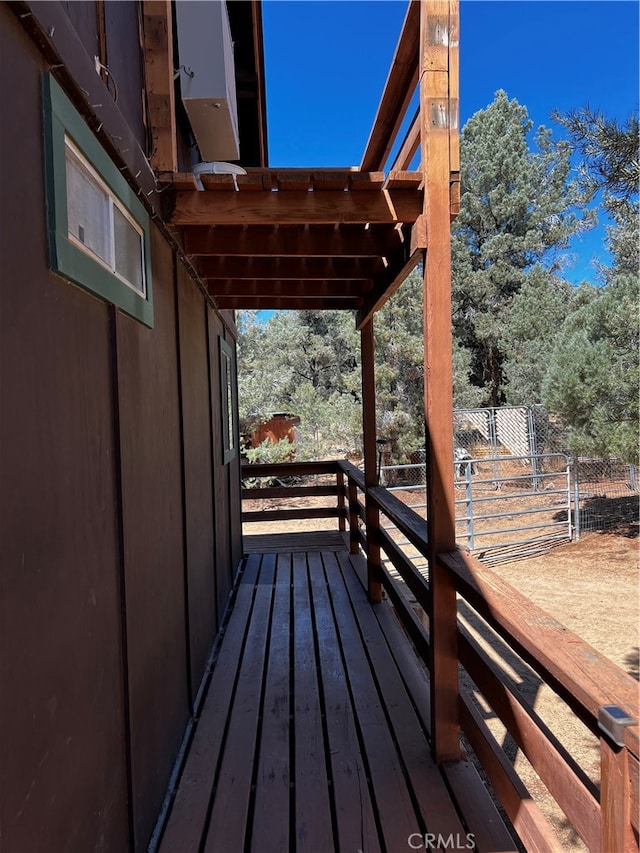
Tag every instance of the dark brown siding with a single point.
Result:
(84, 17)
(62, 749)
(117, 544)
(199, 524)
(153, 544)
(124, 60)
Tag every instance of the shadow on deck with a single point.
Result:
(314, 730)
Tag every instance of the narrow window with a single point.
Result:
(99, 233)
(227, 402)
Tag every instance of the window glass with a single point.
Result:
(128, 250)
(87, 208)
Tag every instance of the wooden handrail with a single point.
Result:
(398, 90)
(286, 469)
(583, 677)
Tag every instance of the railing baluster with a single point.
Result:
(340, 486)
(354, 543)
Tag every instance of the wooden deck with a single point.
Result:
(313, 731)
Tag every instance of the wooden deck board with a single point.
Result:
(356, 827)
(410, 737)
(272, 792)
(191, 803)
(312, 734)
(390, 793)
(232, 794)
(312, 803)
(291, 543)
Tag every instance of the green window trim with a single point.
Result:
(62, 120)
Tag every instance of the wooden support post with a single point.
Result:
(439, 18)
(615, 799)
(372, 514)
(158, 56)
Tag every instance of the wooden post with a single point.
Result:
(438, 39)
(159, 73)
(615, 799)
(372, 514)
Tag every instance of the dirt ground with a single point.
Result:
(592, 587)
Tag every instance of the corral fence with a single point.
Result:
(517, 490)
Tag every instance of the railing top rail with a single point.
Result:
(352, 473)
(582, 676)
(508, 457)
(404, 517)
(287, 469)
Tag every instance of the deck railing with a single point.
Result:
(596, 691)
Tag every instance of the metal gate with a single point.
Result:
(513, 506)
(506, 506)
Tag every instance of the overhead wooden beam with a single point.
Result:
(261, 241)
(409, 146)
(159, 69)
(386, 284)
(258, 50)
(317, 179)
(296, 208)
(226, 267)
(286, 303)
(397, 94)
(300, 289)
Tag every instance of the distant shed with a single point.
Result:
(279, 425)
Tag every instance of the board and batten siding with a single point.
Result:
(119, 521)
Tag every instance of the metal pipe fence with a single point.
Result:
(519, 479)
(507, 501)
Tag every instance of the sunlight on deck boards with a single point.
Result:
(280, 543)
(313, 732)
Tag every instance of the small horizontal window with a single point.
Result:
(99, 225)
(98, 229)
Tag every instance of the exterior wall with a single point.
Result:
(120, 523)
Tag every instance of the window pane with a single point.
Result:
(128, 244)
(87, 208)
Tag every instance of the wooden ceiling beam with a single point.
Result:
(286, 303)
(399, 88)
(267, 288)
(226, 267)
(318, 242)
(387, 285)
(297, 208)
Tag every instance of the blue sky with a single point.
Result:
(327, 62)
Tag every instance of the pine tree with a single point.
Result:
(517, 214)
(594, 374)
(593, 377)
